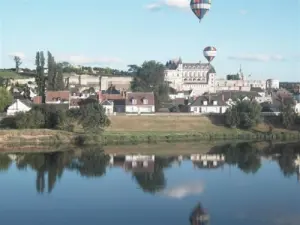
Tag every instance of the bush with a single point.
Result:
(243, 114)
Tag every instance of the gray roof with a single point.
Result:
(257, 89)
(210, 100)
(25, 102)
(238, 94)
(195, 65)
(106, 102)
(223, 97)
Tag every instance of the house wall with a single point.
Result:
(297, 108)
(139, 109)
(209, 109)
(17, 107)
(109, 109)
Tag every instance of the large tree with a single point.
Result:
(40, 76)
(5, 98)
(288, 115)
(149, 77)
(243, 114)
(18, 63)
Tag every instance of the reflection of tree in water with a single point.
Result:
(287, 156)
(244, 155)
(91, 163)
(155, 181)
(50, 166)
(5, 162)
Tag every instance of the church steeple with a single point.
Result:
(240, 73)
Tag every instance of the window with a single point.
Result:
(145, 101)
(133, 101)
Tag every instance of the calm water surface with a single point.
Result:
(234, 184)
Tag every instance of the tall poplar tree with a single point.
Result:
(51, 72)
(40, 76)
(59, 79)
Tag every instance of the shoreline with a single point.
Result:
(159, 149)
(44, 137)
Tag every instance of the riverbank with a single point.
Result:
(148, 129)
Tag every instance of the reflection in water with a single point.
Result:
(148, 171)
(199, 216)
(184, 190)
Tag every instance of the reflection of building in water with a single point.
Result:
(208, 160)
(199, 216)
(297, 164)
(16, 158)
(134, 163)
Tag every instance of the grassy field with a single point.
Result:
(163, 124)
(34, 136)
(132, 130)
(10, 74)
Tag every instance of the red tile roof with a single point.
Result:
(54, 95)
(37, 100)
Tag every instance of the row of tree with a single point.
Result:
(247, 114)
(90, 116)
(233, 77)
(54, 80)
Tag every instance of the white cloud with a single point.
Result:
(258, 57)
(19, 54)
(181, 4)
(177, 3)
(83, 60)
(184, 190)
(243, 12)
(153, 6)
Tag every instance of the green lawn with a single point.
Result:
(11, 74)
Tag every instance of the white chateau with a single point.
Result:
(192, 76)
(201, 78)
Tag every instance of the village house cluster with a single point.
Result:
(198, 91)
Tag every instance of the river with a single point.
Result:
(230, 185)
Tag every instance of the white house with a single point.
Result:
(19, 106)
(108, 106)
(209, 104)
(140, 102)
(297, 108)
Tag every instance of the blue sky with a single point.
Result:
(262, 35)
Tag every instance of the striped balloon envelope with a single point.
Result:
(200, 7)
(210, 53)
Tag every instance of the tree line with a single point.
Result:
(247, 114)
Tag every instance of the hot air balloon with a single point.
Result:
(200, 7)
(210, 53)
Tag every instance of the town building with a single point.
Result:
(140, 102)
(202, 77)
(207, 160)
(190, 76)
(97, 82)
